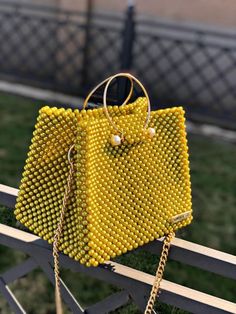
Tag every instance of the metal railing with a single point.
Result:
(181, 64)
(135, 284)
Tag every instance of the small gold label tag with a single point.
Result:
(180, 217)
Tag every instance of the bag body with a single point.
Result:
(122, 197)
(98, 183)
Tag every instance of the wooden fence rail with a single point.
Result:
(135, 284)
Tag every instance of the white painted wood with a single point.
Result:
(10, 298)
(181, 250)
(8, 190)
(8, 196)
(197, 255)
(130, 279)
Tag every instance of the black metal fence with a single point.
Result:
(184, 65)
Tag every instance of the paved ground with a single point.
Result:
(215, 12)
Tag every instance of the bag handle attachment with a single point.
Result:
(117, 139)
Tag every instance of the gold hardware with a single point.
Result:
(180, 217)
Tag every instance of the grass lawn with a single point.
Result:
(213, 176)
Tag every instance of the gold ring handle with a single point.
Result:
(102, 83)
(131, 77)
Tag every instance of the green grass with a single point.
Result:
(213, 176)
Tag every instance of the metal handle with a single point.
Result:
(132, 78)
(102, 83)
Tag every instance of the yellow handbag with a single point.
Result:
(98, 183)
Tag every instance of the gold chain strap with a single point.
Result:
(58, 234)
(160, 270)
(159, 274)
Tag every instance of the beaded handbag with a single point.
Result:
(98, 183)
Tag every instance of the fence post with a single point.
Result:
(86, 46)
(127, 50)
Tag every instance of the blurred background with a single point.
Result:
(184, 51)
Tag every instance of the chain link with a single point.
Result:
(58, 234)
(159, 274)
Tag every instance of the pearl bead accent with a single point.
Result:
(115, 140)
(122, 196)
(151, 132)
